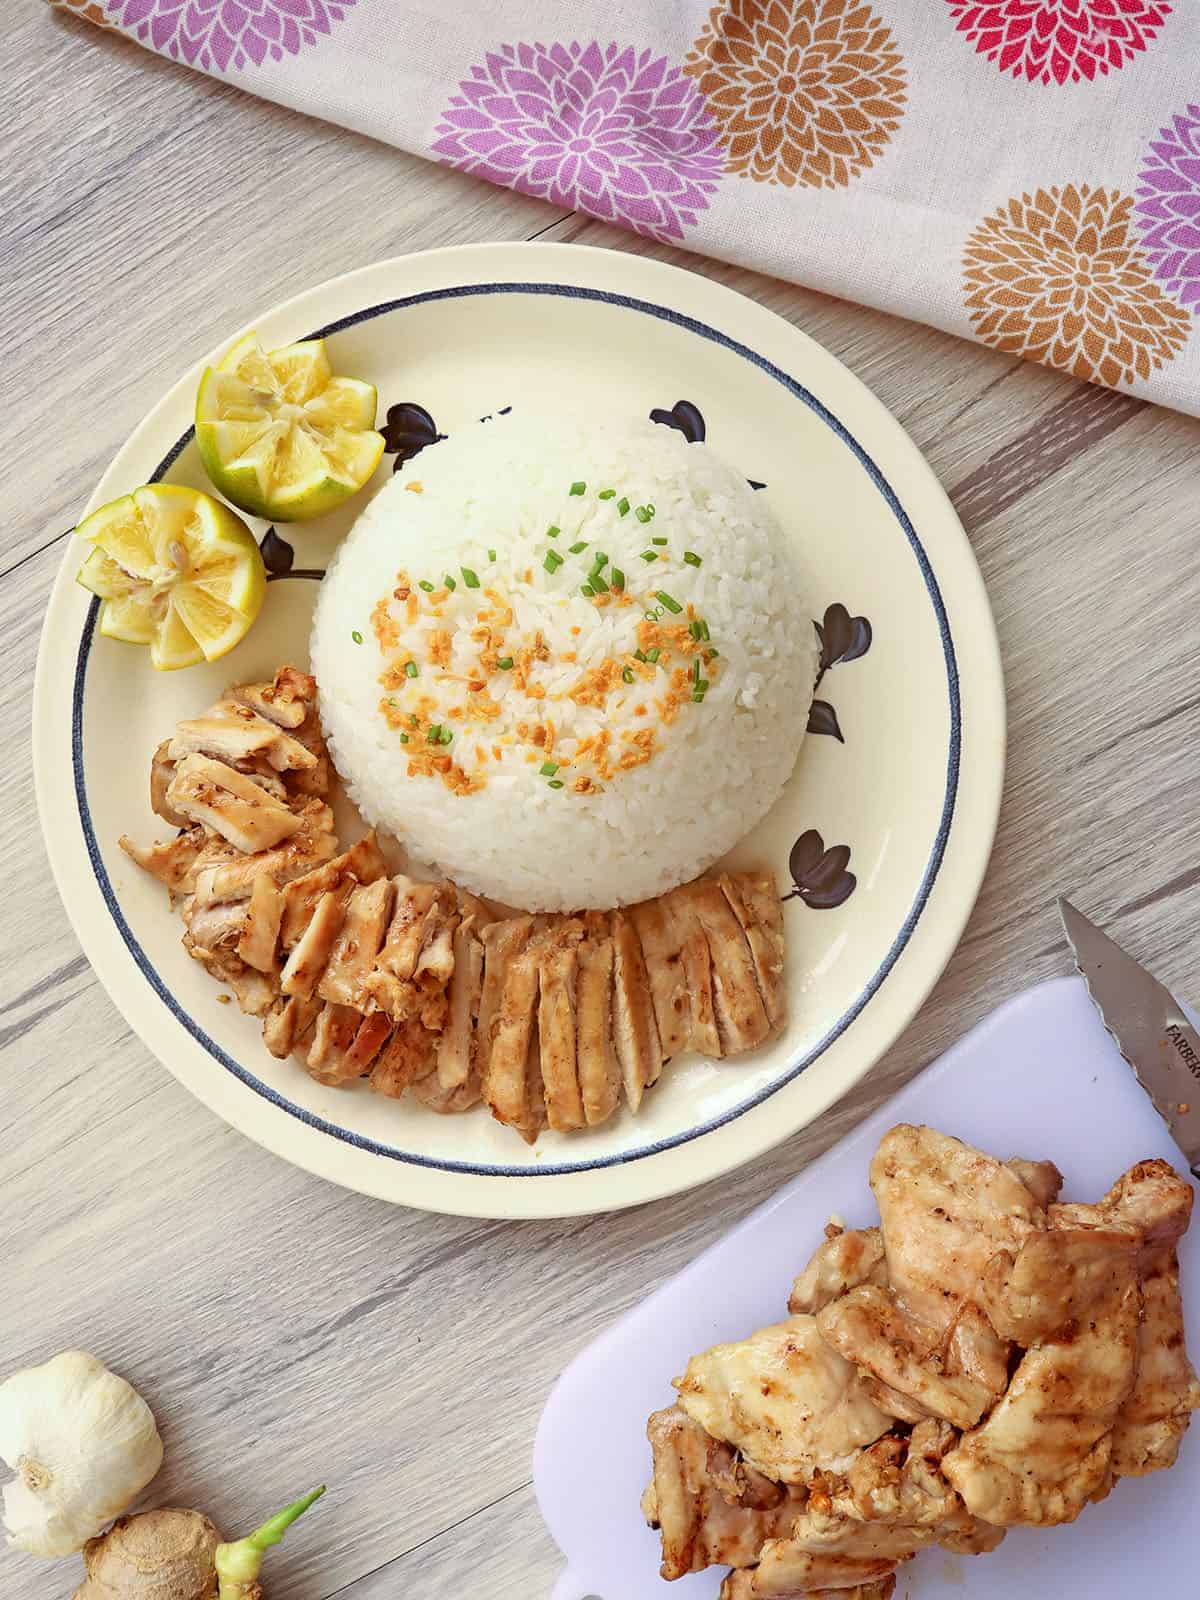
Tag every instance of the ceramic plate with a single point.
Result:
(880, 839)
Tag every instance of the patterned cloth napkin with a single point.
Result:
(1023, 172)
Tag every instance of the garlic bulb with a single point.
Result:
(83, 1444)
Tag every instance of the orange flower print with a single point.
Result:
(1058, 277)
(803, 91)
(86, 8)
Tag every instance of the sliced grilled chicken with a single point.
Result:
(260, 931)
(741, 1017)
(232, 877)
(755, 902)
(334, 1034)
(363, 863)
(172, 863)
(662, 942)
(502, 941)
(598, 1067)
(558, 976)
(286, 700)
(456, 1064)
(407, 1057)
(210, 926)
(702, 1033)
(230, 803)
(254, 993)
(374, 1032)
(357, 944)
(235, 733)
(511, 1074)
(162, 770)
(635, 1031)
(417, 958)
(310, 956)
(288, 1023)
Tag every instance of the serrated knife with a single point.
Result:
(1151, 1028)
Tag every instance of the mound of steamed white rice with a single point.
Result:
(531, 705)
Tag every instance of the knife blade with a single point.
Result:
(1150, 1027)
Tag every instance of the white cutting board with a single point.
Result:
(1039, 1078)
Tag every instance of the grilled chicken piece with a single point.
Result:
(285, 701)
(254, 993)
(357, 944)
(225, 875)
(599, 1069)
(234, 733)
(662, 942)
(363, 863)
(558, 1035)
(373, 1033)
(455, 1085)
(172, 864)
(900, 1481)
(846, 1259)
(417, 959)
(688, 1501)
(636, 1040)
(825, 1551)
(288, 1023)
(945, 1209)
(260, 931)
(335, 1031)
(502, 942)
(408, 1057)
(211, 926)
(310, 956)
(511, 1078)
(702, 1033)
(162, 770)
(230, 803)
(784, 1398)
(755, 902)
(741, 1017)
(1153, 1200)
(1045, 1450)
(1042, 1178)
(877, 1335)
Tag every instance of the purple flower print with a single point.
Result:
(1167, 207)
(219, 34)
(614, 132)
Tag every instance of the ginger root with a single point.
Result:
(156, 1555)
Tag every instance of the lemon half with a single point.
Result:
(177, 571)
(280, 435)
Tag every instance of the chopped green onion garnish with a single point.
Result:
(712, 654)
(640, 655)
(659, 541)
(623, 506)
(578, 488)
(556, 783)
(505, 663)
(697, 696)
(694, 630)
(617, 578)
(599, 584)
(649, 555)
(446, 735)
(669, 601)
(627, 675)
(653, 655)
(607, 494)
(692, 559)
(450, 583)
(599, 560)
(469, 578)
(586, 590)
(426, 585)
(576, 548)
(643, 515)
(413, 720)
(403, 738)
(548, 768)
(696, 669)
(491, 555)
(702, 685)
(650, 507)
(435, 733)
(356, 636)
(553, 532)
(410, 671)
(553, 561)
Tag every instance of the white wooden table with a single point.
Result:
(286, 1332)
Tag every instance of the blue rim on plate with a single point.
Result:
(559, 1169)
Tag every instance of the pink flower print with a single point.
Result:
(1167, 207)
(620, 134)
(1059, 41)
(219, 34)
